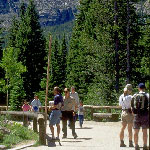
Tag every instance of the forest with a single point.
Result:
(108, 47)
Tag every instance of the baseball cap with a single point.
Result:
(128, 86)
(141, 86)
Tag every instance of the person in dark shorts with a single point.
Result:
(140, 108)
(55, 115)
(68, 113)
(126, 115)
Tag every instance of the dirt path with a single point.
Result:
(93, 136)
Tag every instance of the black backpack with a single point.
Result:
(139, 104)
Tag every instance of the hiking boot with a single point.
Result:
(137, 147)
(75, 136)
(122, 144)
(131, 144)
(145, 147)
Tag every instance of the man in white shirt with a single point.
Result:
(126, 116)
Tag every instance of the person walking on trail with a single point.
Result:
(36, 104)
(75, 95)
(55, 115)
(140, 109)
(68, 113)
(126, 115)
(81, 114)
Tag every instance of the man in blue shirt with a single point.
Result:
(56, 113)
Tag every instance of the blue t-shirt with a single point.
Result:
(58, 99)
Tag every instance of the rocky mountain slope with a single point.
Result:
(51, 12)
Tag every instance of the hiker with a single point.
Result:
(26, 107)
(68, 113)
(140, 109)
(36, 104)
(55, 115)
(126, 115)
(81, 114)
(75, 95)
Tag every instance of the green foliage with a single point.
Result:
(13, 70)
(59, 30)
(91, 65)
(145, 60)
(18, 134)
(26, 35)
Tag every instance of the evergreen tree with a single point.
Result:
(29, 39)
(145, 60)
(1, 50)
(91, 64)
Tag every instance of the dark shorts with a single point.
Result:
(141, 121)
(67, 115)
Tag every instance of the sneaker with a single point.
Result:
(145, 148)
(53, 138)
(131, 144)
(57, 139)
(137, 147)
(122, 145)
(75, 136)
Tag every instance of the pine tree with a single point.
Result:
(31, 42)
(91, 64)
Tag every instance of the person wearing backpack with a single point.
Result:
(126, 115)
(140, 109)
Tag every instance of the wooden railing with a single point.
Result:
(38, 119)
(94, 109)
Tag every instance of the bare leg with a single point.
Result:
(52, 130)
(144, 136)
(130, 131)
(136, 133)
(58, 130)
(122, 130)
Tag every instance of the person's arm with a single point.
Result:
(22, 106)
(120, 101)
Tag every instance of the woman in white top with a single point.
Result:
(126, 116)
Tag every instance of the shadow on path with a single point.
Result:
(85, 128)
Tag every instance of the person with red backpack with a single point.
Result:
(140, 109)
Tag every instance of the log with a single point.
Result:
(42, 135)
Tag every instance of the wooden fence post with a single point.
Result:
(42, 135)
(25, 120)
(35, 124)
(92, 111)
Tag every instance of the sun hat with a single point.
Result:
(128, 86)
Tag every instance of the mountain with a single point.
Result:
(51, 12)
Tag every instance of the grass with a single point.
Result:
(18, 133)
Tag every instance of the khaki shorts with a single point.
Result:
(126, 117)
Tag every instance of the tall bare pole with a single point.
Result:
(48, 67)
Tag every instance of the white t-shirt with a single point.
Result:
(125, 101)
(35, 104)
(75, 96)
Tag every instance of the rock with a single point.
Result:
(2, 147)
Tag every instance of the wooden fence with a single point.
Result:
(38, 119)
